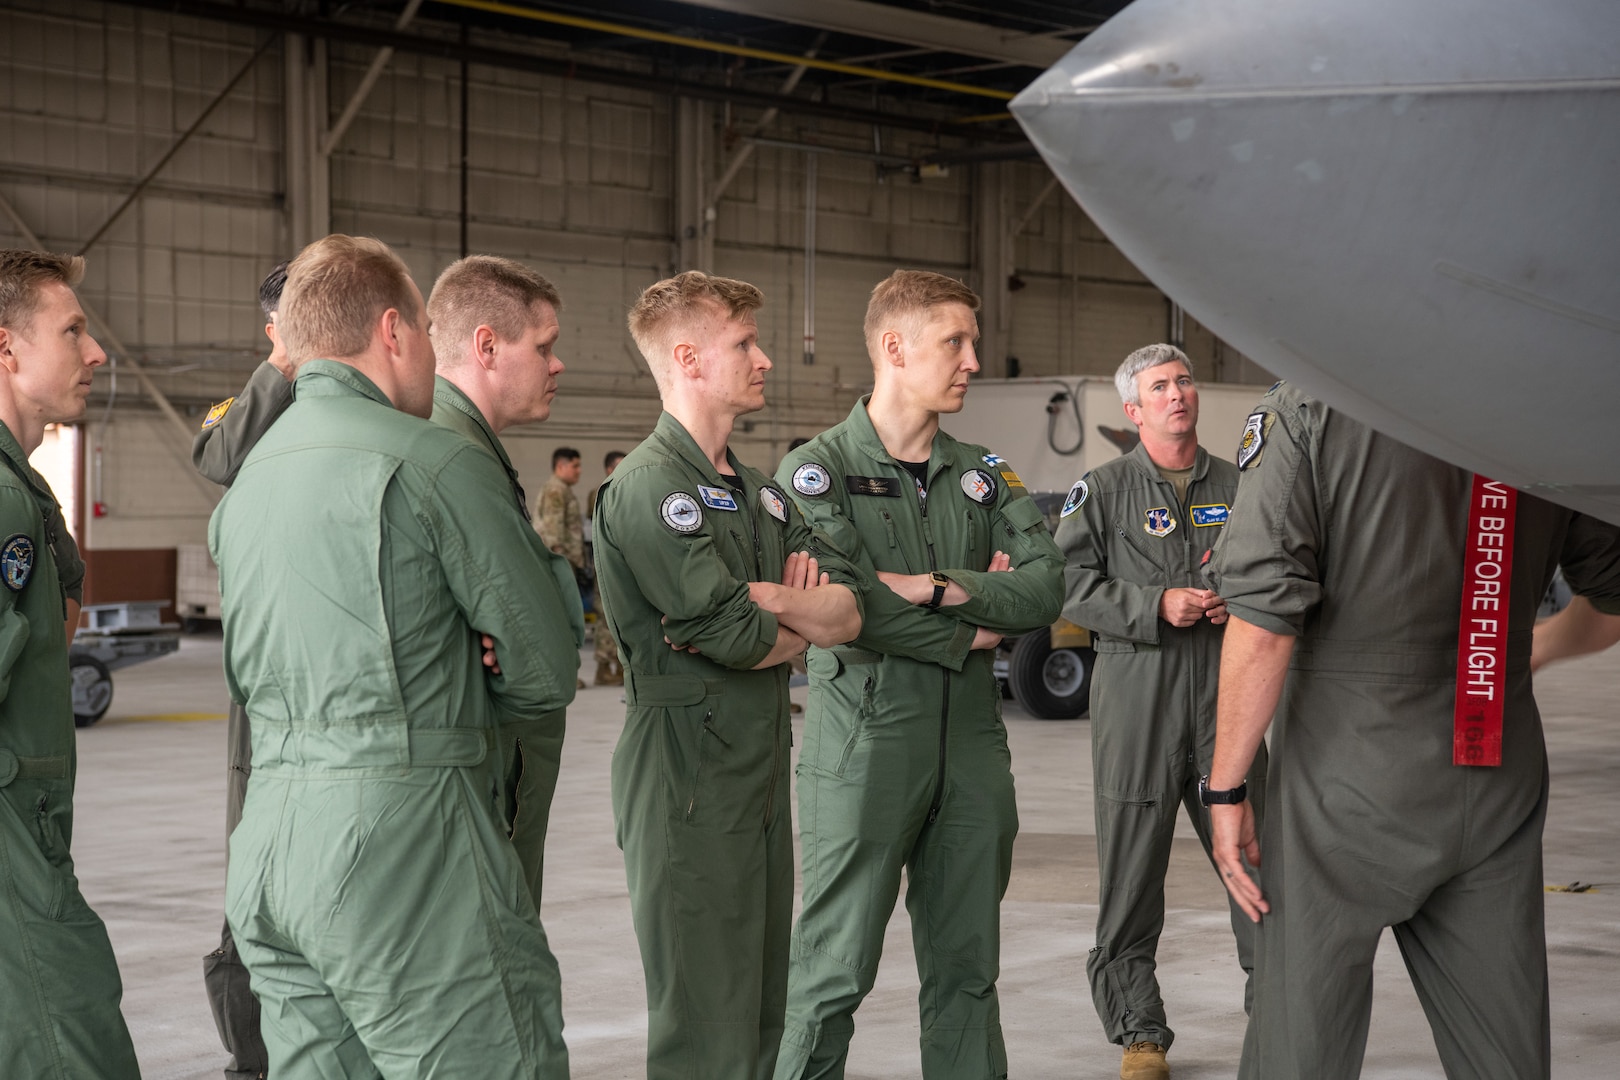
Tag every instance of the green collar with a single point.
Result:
(1139, 457)
(13, 452)
(450, 395)
(672, 434)
(329, 378)
(866, 437)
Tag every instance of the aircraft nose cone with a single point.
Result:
(1400, 209)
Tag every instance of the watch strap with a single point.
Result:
(1221, 797)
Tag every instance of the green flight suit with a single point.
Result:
(905, 762)
(59, 984)
(700, 783)
(531, 745)
(373, 892)
(1353, 543)
(229, 432)
(1126, 538)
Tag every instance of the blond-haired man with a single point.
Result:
(905, 761)
(59, 985)
(373, 892)
(711, 582)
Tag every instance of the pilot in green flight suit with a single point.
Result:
(689, 544)
(376, 816)
(59, 984)
(905, 762)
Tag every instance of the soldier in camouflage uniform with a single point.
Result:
(558, 520)
(609, 672)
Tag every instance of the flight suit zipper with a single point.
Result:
(776, 729)
(945, 693)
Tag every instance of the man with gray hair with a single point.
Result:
(1135, 534)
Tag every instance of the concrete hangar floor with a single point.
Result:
(149, 848)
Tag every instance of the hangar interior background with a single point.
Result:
(186, 146)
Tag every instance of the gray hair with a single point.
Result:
(1148, 356)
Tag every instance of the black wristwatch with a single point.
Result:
(1215, 797)
(941, 583)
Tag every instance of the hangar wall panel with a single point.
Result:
(578, 180)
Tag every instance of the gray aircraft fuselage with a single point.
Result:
(1411, 210)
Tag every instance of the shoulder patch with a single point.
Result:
(717, 498)
(993, 460)
(217, 413)
(811, 479)
(682, 513)
(1076, 499)
(17, 562)
(774, 504)
(1255, 429)
(979, 486)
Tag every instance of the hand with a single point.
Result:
(1232, 839)
(984, 639)
(999, 562)
(491, 661)
(678, 648)
(801, 572)
(1183, 607)
(1217, 614)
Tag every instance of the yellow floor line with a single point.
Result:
(167, 718)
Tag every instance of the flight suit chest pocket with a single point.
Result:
(1140, 557)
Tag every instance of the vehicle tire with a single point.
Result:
(92, 689)
(1051, 684)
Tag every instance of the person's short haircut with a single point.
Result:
(484, 290)
(270, 289)
(906, 296)
(563, 453)
(336, 290)
(22, 273)
(612, 458)
(1148, 356)
(668, 309)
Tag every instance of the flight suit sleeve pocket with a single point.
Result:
(1102, 644)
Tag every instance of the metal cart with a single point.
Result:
(117, 635)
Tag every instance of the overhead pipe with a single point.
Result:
(579, 22)
(809, 258)
(662, 85)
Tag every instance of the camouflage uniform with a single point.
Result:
(559, 523)
(609, 672)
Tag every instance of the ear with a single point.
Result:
(1133, 413)
(892, 348)
(484, 342)
(687, 363)
(270, 331)
(388, 326)
(8, 359)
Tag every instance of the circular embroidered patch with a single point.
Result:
(681, 513)
(811, 479)
(1076, 499)
(774, 504)
(17, 562)
(978, 486)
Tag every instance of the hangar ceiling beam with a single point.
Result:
(663, 84)
(936, 33)
(369, 80)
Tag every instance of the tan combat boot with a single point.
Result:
(1144, 1061)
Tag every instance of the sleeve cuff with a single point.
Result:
(1607, 605)
(1264, 620)
(766, 642)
